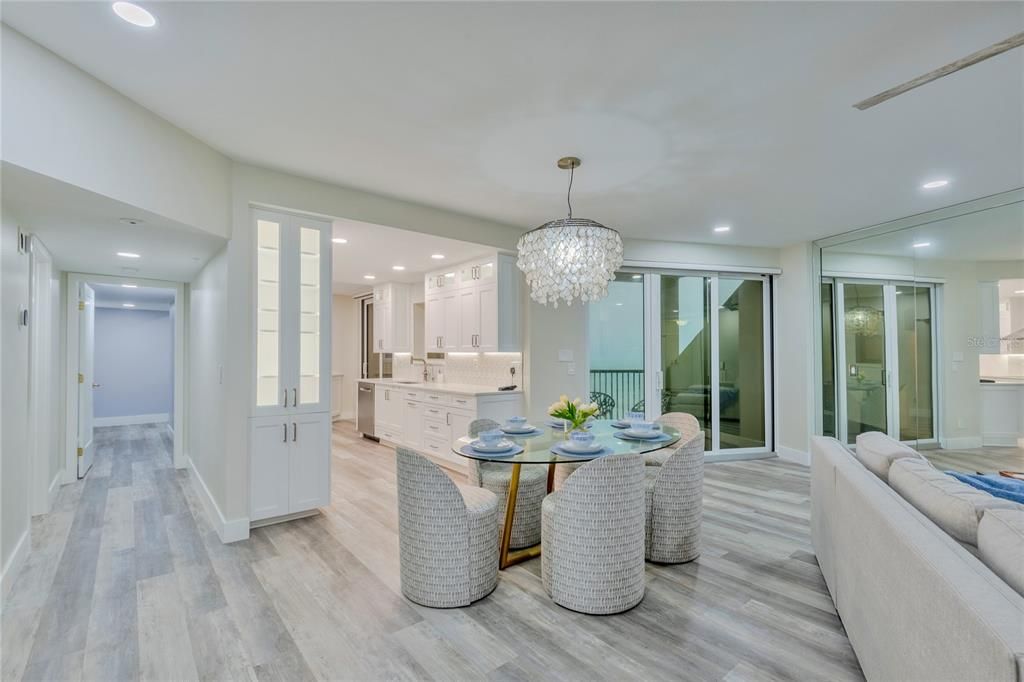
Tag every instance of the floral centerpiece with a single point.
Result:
(574, 412)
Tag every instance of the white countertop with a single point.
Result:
(457, 389)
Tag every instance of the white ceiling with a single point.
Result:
(141, 298)
(996, 234)
(375, 249)
(686, 115)
(84, 231)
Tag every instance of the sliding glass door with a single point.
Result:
(688, 342)
(885, 356)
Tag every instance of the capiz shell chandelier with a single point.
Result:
(569, 258)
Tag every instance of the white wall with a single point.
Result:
(207, 329)
(795, 335)
(549, 330)
(346, 325)
(14, 435)
(63, 123)
(712, 256)
(134, 365)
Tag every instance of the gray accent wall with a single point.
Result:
(134, 356)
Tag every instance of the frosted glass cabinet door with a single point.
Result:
(270, 391)
(293, 270)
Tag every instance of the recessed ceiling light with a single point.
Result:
(398, 267)
(128, 254)
(934, 184)
(369, 276)
(339, 240)
(722, 228)
(130, 286)
(921, 245)
(438, 256)
(134, 14)
(132, 221)
(127, 305)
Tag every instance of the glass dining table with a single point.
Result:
(537, 451)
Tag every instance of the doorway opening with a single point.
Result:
(125, 359)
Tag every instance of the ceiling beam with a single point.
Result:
(962, 63)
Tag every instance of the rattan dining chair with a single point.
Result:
(447, 535)
(496, 477)
(592, 555)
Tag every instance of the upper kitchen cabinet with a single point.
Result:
(392, 318)
(292, 335)
(479, 312)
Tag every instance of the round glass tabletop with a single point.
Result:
(537, 448)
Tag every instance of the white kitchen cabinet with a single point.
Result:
(392, 318)
(289, 434)
(412, 423)
(431, 420)
(482, 314)
(292, 321)
(388, 419)
(288, 471)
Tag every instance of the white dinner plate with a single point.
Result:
(642, 435)
(500, 446)
(581, 449)
(528, 428)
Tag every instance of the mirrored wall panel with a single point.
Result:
(922, 328)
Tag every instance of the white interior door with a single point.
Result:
(86, 385)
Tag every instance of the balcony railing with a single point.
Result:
(624, 386)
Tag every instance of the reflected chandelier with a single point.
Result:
(569, 258)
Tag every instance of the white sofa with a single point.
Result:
(916, 604)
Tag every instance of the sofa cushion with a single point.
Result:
(1001, 545)
(953, 506)
(877, 452)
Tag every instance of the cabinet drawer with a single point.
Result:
(438, 413)
(464, 402)
(432, 398)
(411, 395)
(437, 446)
(433, 428)
(387, 432)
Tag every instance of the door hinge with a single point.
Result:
(79, 452)
(81, 305)
(81, 378)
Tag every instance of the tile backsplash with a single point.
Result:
(476, 369)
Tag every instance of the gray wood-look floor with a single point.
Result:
(127, 580)
(986, 460)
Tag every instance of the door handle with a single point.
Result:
(448, 418)
(295, 432)
(95, 385)
(285, 403)
(295, 397)
(285, 428)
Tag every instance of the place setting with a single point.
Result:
(492, 443)
(581, 444)
(519, 427)
(643, 431)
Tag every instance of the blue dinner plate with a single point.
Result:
(660, 438)
(469, 451)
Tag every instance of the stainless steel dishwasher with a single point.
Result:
(364, 409)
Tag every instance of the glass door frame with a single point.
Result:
(891, 345)
(654, 380)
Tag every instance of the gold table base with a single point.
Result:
(508, 557)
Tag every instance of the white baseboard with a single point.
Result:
(229, 531)
(962, 443)
(51, 492)
(1008, 439)
(128, 420)
(13, 565)
(793, 455)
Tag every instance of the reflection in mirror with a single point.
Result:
(923, 331)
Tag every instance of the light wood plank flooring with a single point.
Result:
(986, 460)
(127, 580)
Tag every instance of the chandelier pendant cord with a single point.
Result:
(568, 194)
